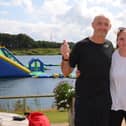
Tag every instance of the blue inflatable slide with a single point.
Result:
(10, 66)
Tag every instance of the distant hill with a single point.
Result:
(23, 41)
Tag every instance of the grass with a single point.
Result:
(53, 115)
(37, 51)
(56, 116)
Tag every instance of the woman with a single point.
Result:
(118, 80)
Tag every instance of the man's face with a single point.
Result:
(101, 26)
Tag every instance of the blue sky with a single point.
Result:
(56, 20)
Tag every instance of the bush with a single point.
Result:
(64, 93)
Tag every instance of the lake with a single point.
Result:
(33, 86)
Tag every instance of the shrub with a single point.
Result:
(64, 93)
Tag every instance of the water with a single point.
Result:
(33, 86)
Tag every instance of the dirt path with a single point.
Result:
(60, 124)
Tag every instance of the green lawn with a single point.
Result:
(57, 116)
(37, 51)
(53, 115)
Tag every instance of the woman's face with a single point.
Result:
(121, 41)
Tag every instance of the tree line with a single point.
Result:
(23, 41)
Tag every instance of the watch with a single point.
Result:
(64, 59)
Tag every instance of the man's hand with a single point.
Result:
(65, 50)
(65, 66)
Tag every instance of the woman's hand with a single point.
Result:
(77, 73)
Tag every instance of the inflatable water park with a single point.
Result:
(11, 67)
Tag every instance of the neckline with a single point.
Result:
(124, 57)
(94, 43)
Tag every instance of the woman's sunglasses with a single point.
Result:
(121, 29)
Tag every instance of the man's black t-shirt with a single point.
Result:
(93, 61)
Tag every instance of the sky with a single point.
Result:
(56, 20)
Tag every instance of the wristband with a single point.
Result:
(64, 59)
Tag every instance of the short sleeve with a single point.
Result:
(74, 56)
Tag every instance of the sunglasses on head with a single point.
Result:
(121, 29)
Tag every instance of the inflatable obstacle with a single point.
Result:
(10, 66)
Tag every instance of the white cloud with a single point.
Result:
(4, 3)
(26, 4)
(55, 7)
(3, 12)
(59, 19)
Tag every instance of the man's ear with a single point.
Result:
(92, 24)
(110, 26)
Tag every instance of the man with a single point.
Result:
(92, 57)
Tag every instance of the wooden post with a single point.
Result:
(24, 104)
(71, 113)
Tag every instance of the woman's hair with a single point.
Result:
(120, 30)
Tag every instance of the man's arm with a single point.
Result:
(65, 51)
(65, 67)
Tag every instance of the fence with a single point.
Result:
(71, 111)
(26, 97)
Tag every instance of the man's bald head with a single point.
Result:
(98, 17)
